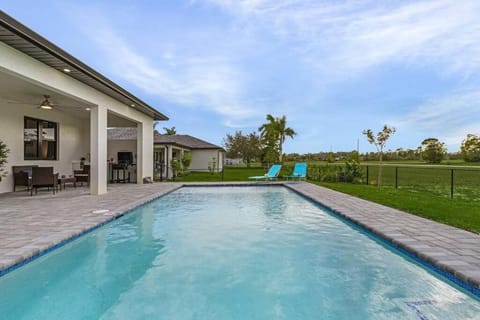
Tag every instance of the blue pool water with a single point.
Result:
(228, 253)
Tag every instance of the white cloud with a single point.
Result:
(449, 118)
(340, 37)
(209, 83)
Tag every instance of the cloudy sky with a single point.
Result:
(334, 68)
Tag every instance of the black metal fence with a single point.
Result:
(453, 182)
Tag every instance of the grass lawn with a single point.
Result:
(230, 174)
(455, 212)
(429, 200)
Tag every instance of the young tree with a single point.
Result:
(186, 160)
(274, 133)
(170, 131)
(247, 147)
(379, 140)
(4, 151)
(470, 148)
(433, 151)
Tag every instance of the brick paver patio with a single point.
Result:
(29, 225)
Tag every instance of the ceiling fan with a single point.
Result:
(45, 104)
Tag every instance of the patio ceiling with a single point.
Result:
(15, 91)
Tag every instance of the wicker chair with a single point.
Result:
(43, 177)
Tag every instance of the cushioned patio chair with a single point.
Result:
(22, 177)
(43, 177)
(272, 174)
(299, 171)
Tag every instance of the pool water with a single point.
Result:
(229, 253)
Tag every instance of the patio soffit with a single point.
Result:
(23, 39)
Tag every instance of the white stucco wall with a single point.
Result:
(18, 64)
(71, 142)
(202, 157)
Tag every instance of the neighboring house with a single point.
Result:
(205, 155)
(168, 147)
(54, 109)
(231, 161)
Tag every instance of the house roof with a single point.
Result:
(184, 140)
(23, 39)
(181, 140)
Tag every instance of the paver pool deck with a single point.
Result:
(31, 225)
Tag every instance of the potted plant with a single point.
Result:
(4, 151)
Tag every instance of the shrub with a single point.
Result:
(3, 158)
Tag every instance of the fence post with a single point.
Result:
(451, 183)
(367, 174)
(396, 177)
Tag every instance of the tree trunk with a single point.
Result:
(379, 182)
(280, 156)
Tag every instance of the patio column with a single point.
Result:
(144, 150)
(165, 161)
(169, 161)
(98, 150)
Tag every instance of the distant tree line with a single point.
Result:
(266, 147)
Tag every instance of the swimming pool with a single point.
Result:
(229, 253)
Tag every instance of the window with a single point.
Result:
(40, 139)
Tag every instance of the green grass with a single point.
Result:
(230, 174)
(455, 212)
(425, 194)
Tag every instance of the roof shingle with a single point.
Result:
(183, 140)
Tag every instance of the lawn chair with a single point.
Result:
(272, 174)
(299, 171)
(43, 177)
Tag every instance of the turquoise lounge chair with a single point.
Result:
(299, 171)
(271, 174)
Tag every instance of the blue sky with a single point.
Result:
(334, 68)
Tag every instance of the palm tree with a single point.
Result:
(274, 133)
(170, 131)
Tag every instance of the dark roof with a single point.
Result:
(23, 39)
(184, 140)
(181, 140)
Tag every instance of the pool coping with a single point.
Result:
(445, 262)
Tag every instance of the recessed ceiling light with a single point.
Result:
(67, 70)
(132, 105)
(88, 109)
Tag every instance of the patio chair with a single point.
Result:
(272, 174)
(82, 175)
(43, 177)
(299, 171)
(22, 177)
